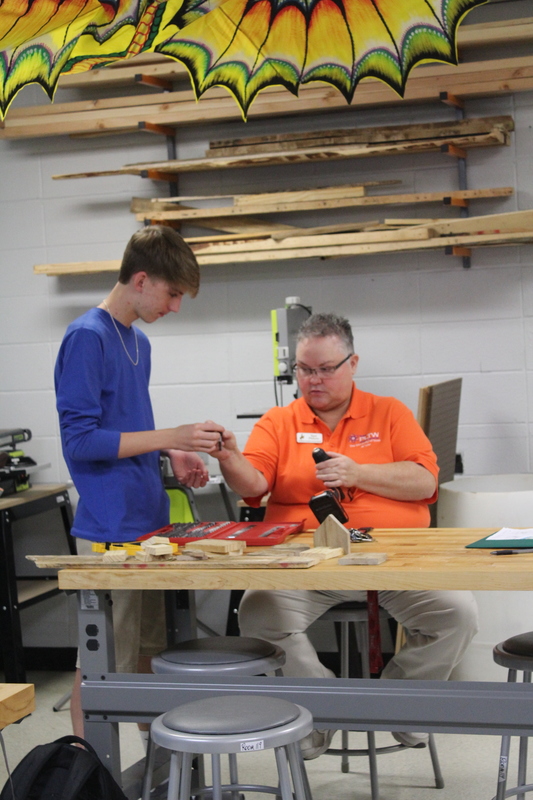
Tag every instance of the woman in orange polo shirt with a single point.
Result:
(387, 470)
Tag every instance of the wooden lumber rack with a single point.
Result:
(444, 234)
(151, 112)
(365, 143)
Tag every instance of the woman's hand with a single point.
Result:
(337, 471)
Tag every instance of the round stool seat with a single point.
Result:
(232, 724)
(515, 652)
(221, 654)
(245, 715)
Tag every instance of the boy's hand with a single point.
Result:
(188, 468)
(202, 437)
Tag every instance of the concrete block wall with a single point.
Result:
(418, 318)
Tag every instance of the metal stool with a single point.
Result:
(356, 614)
(516, 654)
(230, 656)
(233, 724)
(222, 655)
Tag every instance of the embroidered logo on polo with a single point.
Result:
(364, 439)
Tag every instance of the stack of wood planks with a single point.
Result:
(452, 138)
(456, 236)
(240, 228)
(174, 104)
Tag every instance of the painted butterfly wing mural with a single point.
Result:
(244, 45)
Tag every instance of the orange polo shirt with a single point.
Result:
(374, 430)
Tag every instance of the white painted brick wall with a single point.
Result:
(418, 318)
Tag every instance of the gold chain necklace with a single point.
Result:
(122, 340)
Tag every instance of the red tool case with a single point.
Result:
(253, 533)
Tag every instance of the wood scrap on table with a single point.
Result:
(229, 547)
(362, 559)
(255, 560)
(332, 533)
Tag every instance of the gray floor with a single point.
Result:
(469, 763)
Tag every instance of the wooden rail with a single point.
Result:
(179, 108)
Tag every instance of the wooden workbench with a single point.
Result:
(421, 558)
(416, 559)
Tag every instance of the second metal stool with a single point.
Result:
(233, 724)
(222, 655)
(229, 656)
(516, 654)
(356, 614)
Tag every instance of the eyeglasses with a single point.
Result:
(322, 372)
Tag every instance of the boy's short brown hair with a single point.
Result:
(163, 254)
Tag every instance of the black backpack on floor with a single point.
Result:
(60, 771)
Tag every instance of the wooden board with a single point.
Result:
(438, 416)
(375, 135)
(292, 252)
(260, 561)
(176, 212)
(332, 533)
(472, 79)
(139, 204)
(491, 223)
(17, 700)
(494, 138)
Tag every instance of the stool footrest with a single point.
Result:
(393, 748)
(238, 787)
(517, 790)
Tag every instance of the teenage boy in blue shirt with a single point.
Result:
(108, 435)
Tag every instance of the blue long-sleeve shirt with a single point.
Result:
(101, 394)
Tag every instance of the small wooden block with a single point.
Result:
(227, 546)
(17, 700)
(155, 540)
(323, 553)
(294, 549)
(331, 533)
(158, 549)
(363, 558)
(144, 557)
(114, 556)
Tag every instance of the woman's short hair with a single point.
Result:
(327, 325)
(163, 254)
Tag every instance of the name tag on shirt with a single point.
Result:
(309, 438)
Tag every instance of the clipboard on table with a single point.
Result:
(503, 538)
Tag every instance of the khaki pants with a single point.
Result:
(438, 626)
